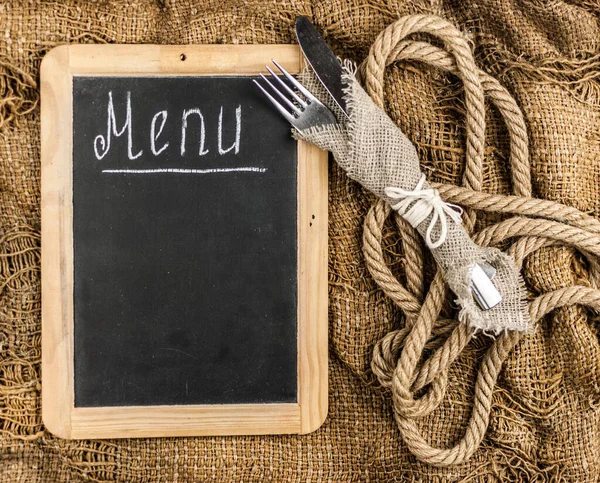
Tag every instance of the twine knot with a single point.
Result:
(416, 205)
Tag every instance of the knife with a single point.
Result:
(323, 61)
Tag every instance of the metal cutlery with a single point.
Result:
(303, 110)
(323, 61)
(299, 106)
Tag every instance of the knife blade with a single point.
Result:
(322, 60)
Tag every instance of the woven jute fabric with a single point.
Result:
(544, 420)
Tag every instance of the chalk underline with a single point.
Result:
(251, 169)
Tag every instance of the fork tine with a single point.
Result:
(289, 103)
(300, 101)
(274, 101)
(296, 84)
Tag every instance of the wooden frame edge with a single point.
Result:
(58, 412)
(312, 223)
(191, 420)
(56, 147)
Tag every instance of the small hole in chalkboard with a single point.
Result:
(182, 57)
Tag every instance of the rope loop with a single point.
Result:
(417, 381)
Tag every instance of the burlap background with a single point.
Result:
(545, 421)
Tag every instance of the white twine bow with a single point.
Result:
(416, 205)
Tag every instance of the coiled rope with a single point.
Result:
(398, 358)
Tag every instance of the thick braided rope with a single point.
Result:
(417, 338)
(457, 44)
(518, 205)
(398, 357)
(500, 97)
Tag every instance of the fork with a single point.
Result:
(302, 113)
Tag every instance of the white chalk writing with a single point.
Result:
(251, 169)
(193, 129)
(154, 135)
(111, 129)
(184, 124)
(238, 130)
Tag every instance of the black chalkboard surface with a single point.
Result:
(184, 230)
(184, 246)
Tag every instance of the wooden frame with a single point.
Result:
(58, 411)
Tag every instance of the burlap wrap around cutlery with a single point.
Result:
(373, 151)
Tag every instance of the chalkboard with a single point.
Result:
(185, 272)
(186, 287)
